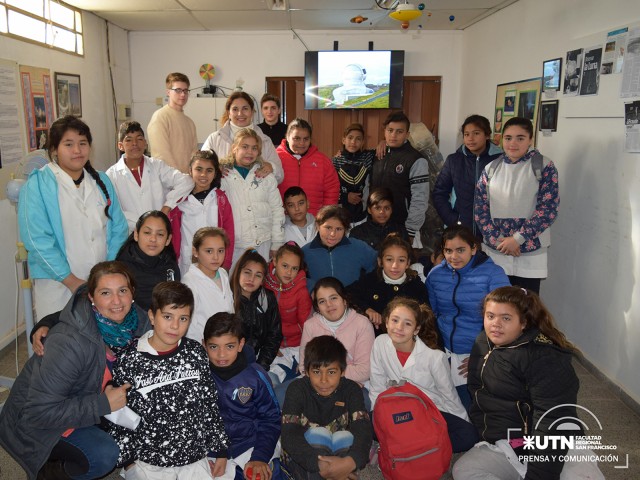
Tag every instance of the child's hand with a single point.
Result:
(381, 149)
(254, 468)
(218, 468)
(117, 396)
(509, 246)
(374, 316)
(38, 335)
(354, 198)
(463, 369)
(264, 170)
(279, 354)
(225, 169)
(332, 467)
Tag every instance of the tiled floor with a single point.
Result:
(620, 425)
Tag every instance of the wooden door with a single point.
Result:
(421, 103)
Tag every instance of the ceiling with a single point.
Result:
(216, 15)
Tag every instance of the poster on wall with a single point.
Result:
(549, 115)
(591, 71)
(11, 139)
(522, 99)
(631, 67)
(68, 98)
(613, 54)
(38, 104)
(632, 126)
(573, 72)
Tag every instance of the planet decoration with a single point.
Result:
(358, 19)
(207, 71)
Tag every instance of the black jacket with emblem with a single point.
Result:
(519, 386)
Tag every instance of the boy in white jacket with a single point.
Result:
(144, 183)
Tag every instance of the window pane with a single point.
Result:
(61, 38)
(62, 15)
(78, 22)
(26, 27)
(3, 20)
(32, 6)
(80, 49)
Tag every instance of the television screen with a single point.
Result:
(353, 79)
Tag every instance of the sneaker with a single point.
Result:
(53, 470)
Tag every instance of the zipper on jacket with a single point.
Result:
(455, 317)
(484, 414)
(473, 221)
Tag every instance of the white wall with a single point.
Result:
(594, 259)
(97, 112)
(253, 56)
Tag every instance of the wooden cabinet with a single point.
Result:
(421, 103)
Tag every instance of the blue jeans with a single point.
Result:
(87, 453)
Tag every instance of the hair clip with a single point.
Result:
(524, 290)
(253, 250)
(292, 243)
(109, 202)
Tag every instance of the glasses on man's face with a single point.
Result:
(180, 91)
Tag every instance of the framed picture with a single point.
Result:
(551, 72)
(549, 115)
(68, 98)
(527, 104)
(509, 102)
(520, 98)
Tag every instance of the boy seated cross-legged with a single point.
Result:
(247, 403)
(326, 430)
(173, 393)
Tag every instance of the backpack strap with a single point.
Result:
(537, 165)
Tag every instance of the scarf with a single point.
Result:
(117, 334)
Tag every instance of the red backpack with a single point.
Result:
(414, 442)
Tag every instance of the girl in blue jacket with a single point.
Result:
(455, 186)
(69, 217)
(456, 289)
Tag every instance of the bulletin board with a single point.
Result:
(517, 99)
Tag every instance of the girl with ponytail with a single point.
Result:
(69, 217)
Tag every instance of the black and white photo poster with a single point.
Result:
(591, 71)
(573, 72)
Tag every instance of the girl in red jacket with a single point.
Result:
(287, 280)
(306, 167)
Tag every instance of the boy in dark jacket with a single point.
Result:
(247, 403)
(379, 223)
(326, 430)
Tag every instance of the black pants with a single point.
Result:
(532, 284)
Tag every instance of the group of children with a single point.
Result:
(254, 275)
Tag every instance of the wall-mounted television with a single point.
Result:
(353, 79)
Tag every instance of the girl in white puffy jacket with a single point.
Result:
(257, 207)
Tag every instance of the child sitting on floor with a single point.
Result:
(172, 390)
(247, 403)
(326, 430)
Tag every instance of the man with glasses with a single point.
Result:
(172, 134)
